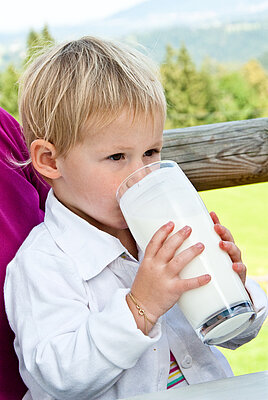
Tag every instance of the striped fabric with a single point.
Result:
(175, 375)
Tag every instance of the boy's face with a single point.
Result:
(93, 170)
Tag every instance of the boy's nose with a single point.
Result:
(138, 164)
(138, 172)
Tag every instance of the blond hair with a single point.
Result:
(86, 82)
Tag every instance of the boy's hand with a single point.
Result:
(157, 285)
(227, 244)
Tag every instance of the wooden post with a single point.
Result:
(220, 155)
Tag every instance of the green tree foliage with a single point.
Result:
(36, 42)
(195, 96)
(187, 90)
(212, 94)
(256, 76)
(9, 90)
(238, 98)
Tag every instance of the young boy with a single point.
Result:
(93, 112)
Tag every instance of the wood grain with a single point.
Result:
(220, 155)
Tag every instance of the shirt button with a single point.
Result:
(187, 362)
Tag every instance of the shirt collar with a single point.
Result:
(90, 248)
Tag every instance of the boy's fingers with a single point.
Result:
(176, 265)
(223, 232)
(158, 239)
(214, 217)
(241, 270)
(232, 250)
(172, 244)
(193, 283)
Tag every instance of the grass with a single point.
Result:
(251, 357)
(244, 210)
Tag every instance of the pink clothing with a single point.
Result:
(22, 198)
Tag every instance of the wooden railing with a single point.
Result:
(221, 155)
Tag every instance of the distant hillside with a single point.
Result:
(158, 13)
(230, 43)
(229, 31)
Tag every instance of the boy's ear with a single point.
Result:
(44, 158)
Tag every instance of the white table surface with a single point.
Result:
(243, 387)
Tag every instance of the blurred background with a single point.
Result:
(213, 60)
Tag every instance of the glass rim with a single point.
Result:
(138, 170)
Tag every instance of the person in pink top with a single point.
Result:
(22, 200)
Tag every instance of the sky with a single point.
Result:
(17, 15)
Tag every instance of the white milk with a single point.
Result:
(167, 195)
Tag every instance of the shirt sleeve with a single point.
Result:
(260, 304)
(65, 348)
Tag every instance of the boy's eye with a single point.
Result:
(116, 157)
(150, 153)
(121, 156)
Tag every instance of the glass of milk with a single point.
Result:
(160, 192)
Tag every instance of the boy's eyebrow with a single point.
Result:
(124, 148)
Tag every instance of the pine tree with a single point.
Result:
(36, 43)
(210, 92)
(31, 45)
(9, 90)
(190, 94)
(9, 78)
(46, 37)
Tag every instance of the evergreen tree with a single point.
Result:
(47, 39)
(37, 42)
(191, 95)
(210, 92)
(9, 78)
(32, 42)
(213, 94)
(9, 90)
(194, 97)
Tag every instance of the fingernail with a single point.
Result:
(186, 229)
(200, 245)
(169, 224)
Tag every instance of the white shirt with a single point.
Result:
(65, 295)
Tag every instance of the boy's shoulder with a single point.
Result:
(39, 239)
(39, 263)
(38, 251)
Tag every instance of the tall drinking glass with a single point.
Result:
(160, 192)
